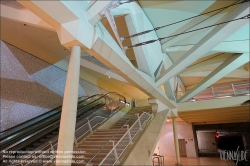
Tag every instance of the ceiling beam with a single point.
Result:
(222, 121)
(198, 115)
(225, 68)
(239, 46)
(212, 116)
(218, 59)
(24, 17)
(211, 40)
(169, 91)
(237, 73)
(205, 105)
(93, 13)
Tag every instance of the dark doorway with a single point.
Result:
(230, 142)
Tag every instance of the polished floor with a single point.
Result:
(204, 161)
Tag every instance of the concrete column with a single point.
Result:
(176, 143)
(69, 108)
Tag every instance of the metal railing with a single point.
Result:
(52, 145)
(220, 92)
(113, 156)
(130, 117)
(79, 133)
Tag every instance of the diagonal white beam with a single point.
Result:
(169, 91)
(225, 68)
(240, 46)
(211, 40)
(237, 73)
(213, 61)
(93, 13)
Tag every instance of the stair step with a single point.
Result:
(104, 130)
(106, 136)
(93, 142)
(108, 146)
(92, 154)
(101, 139)
(112, 131)
(89, 150)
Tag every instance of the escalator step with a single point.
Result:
(30, 148)
(49, 136)
(55, 132)
(37, 144)
(43, 140)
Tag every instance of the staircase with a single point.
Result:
(98, 145)
(95, 142)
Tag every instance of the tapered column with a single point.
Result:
(176, 143)
(69, 109)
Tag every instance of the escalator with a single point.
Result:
(33, 133)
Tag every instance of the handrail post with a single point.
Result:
(52, 148)
(212, 91)
(90, 128)
(233, 89)
(75, 140)
(115, 152)
(129, 134)
(139, 121)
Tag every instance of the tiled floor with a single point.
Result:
(205, 161)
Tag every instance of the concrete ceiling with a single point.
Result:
(166, 12)
(45, 45)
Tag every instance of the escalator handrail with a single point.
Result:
(28, 130)
(19, 127)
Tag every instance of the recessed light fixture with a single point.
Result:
(109, 77)
(167, 120)
(25, 24)
(64, 49)
(141, 97)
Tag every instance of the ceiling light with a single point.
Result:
(167, 120)
(25, 24)
(109, 77)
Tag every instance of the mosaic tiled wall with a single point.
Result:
(166, 140)
(31, 87)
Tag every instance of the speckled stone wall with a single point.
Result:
(165, 145)
(31, 87)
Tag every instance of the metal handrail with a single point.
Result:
(5, 149)
(108, 141)
(49, 112)
(31, 162)
(114, 148)
(82, 105)
(232, 90)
